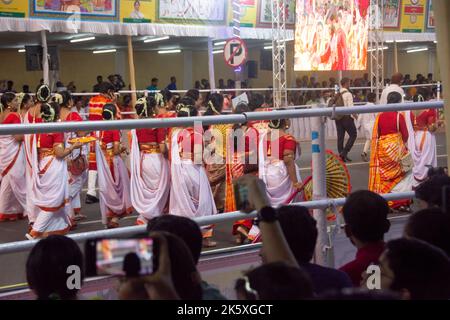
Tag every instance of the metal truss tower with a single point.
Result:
(279, 53)
(376, 46)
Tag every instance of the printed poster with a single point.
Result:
(87, 9)
(137, 11)
(192, 11)
(430, 16)
(391, 14)
(248, 13)
(13, 8)
(265, 13)
(413, 15)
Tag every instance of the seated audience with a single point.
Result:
(47, 267)
(432, 226)
(274, 281)
(300, 231)
(430, 192)
(416, 270)
(365, 215)
(187, 230)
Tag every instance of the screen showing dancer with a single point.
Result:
(331, 35)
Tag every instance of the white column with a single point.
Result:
(45, 66)
(188, 82)
(431, 58)
(212, 79)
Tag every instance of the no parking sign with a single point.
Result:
(235, 52)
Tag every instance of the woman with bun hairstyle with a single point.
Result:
(150, 176)
(425, 124)
(77, 160)
(49, 189)
(113, 179)
(190, 192)
(12, 163)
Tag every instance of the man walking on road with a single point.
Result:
(345, 123)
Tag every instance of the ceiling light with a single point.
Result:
(416, 50)
(21, 50)
(268, 48)
(370, 49)
(82, 39)
(435, 41)
(389, 41)
(399, 41)
(169, 51)
(104, 51)
(156, 39)
(217, 51)
(221, 43)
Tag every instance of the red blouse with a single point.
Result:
(73, 116)
(47, 140)
(286, 142)
(12, 118)
(387, 124)
(151, 135)
(110, 136)
(187, 139)
(32, 119)
(424, 119)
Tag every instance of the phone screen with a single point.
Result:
(241, 196)
(110, 255)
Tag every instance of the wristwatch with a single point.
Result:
(267, 214)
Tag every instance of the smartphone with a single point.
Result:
(120, 256)
(241, 197)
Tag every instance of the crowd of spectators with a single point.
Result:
(413, 267)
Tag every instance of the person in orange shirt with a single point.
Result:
(96, 103)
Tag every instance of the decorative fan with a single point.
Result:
(337, 180)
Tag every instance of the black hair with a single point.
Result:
(186, 107)
(50, 112)
(182, 227)
(154, 79)
(183, 269)
(300, 230)
(430, 190)
(365, 213)
(279, 281)
(278, 123)
(47, 266)
(215, 104)
(104, 87)
(193, 93)
(394, 97)
(420, 268)
(256, 101)
(7, 98)
(131, 265)
(26, 98)
(344, 81)
(167, 95)
(66, 97)
(109, 111)
(241, 108)
(145, 107)
(432, 226)
(371, 97)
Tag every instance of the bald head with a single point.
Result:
(397, 78)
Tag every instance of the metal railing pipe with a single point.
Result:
(208, 120)
(19, 246)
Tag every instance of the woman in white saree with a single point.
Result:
(113, 179)
(150, 176)
(12, 163)
(190, 193)
(49, 189)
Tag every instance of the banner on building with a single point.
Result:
(265, 13)
(192, 11)
(413, 15)
(248, 13)
(430, 16)
(391, 14)
(137, 11)
(86, 9)
(13, 8)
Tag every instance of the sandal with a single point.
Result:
(79, 216)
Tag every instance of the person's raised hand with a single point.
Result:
(257, 192)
